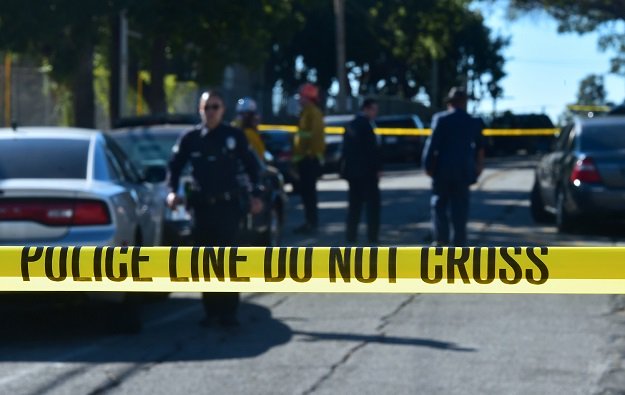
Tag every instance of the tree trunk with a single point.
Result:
(154, 92)
(83, 97)
(115, 72)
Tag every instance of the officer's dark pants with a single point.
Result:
(363, 191)
(217, 225)
(450, 198)
(309, 170)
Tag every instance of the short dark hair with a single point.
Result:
(211, 93)
(368, 102)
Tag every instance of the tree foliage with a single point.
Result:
(392, 47)
(591, 91)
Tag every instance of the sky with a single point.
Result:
(543, 67)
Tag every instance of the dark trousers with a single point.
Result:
(450, 201)
(309, 171)
(363, 191)
(217, 225)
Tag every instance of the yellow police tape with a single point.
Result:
(590, 270)
(422, 132)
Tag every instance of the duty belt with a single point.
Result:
(222, 197)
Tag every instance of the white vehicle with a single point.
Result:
(76, 187)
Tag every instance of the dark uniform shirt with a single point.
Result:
(361, 157)
(215, 157)
(450, 152)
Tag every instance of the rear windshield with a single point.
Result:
(603, 138)
(43, 158)
(147, 147)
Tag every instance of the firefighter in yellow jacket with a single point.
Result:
(308, 150)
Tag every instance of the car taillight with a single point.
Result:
(55, 212)
(585, 171)
(91, 213)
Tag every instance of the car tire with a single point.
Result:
(537, 206)
(564, 220)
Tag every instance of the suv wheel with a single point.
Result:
(537, 206)
(564, 220)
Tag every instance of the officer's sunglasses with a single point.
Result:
(213, 107)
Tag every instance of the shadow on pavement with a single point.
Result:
(46, 335)
(383, 339)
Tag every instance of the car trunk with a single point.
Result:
(611, 167)
(41, 210)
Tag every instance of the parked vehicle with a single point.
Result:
(584, 175)
(76, 187)
(152, 145)
(67, 187)
(394, 147)
(401, 148)
(509, 145)
(279, 143)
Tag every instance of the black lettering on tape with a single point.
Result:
(27, 258)
(214, 260)
(76, 265)
(97, 262)
(460, 262)
(491, 260)
(544, 270)
(233, 260)
(340, 260)
(137, 259)
(293, 265)
(173, 266)
(425, 263)
(269, 277)
(195, 264)
(516, 268)
(373, 265)
(62, 262)
(392, 265)
(123, 266)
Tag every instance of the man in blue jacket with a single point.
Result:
(454, 157)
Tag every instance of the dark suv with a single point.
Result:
(584, 175)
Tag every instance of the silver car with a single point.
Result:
(68, 187)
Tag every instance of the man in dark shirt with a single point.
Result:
(215, 151)
(361, 166)
(454, 157)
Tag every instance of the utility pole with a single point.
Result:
(123, 62)
(339, 17)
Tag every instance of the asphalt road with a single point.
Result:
(352, 344)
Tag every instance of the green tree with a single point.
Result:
(591, 91)
(63, 34)
(393, 46)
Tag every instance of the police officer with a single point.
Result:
(247, 120)
(454, 157)
(215, 152)
(361, 166)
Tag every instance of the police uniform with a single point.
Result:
(216, 156)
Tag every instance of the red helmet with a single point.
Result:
(309, 91)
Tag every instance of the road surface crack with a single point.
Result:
(384, 322)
